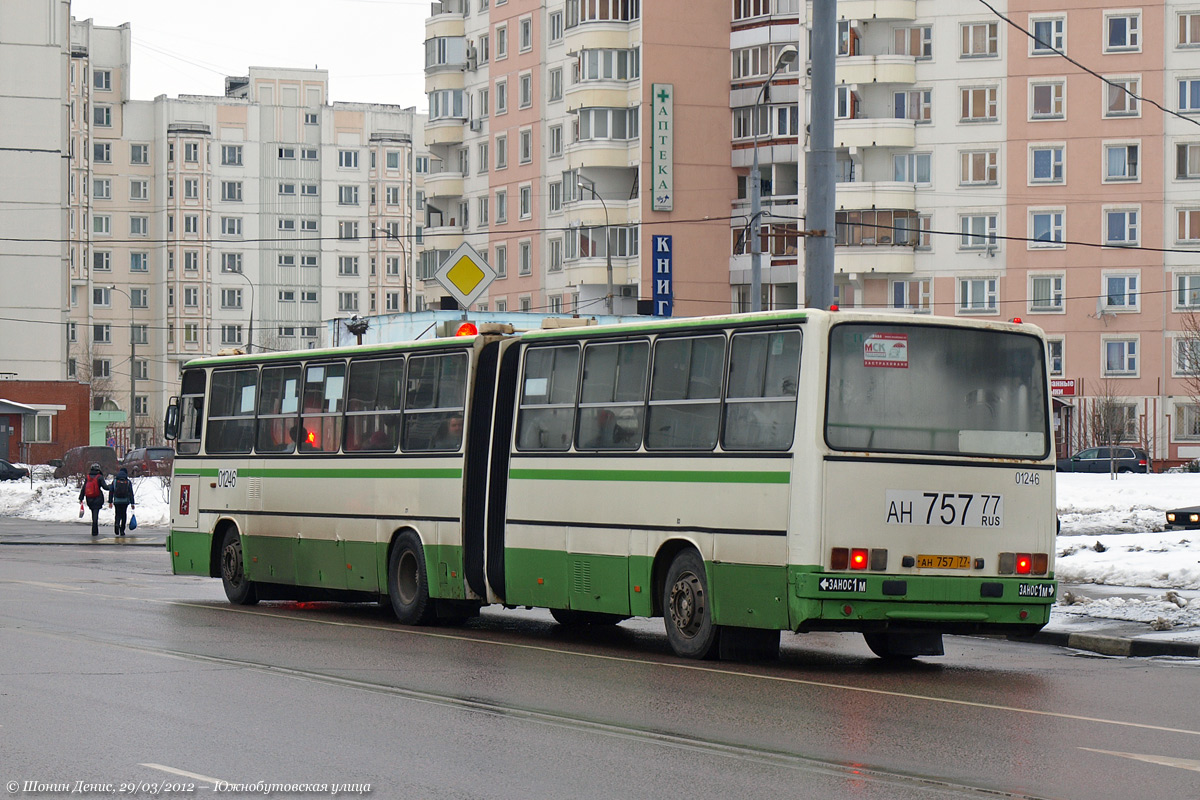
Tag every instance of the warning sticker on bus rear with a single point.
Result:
(944, 509)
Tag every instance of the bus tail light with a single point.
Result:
(841, 558)
(1023, 564)
(858, 558)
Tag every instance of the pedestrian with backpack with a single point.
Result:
(120, 497)
(92, 493)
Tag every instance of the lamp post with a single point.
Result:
(608, 301)
(132, 367)
(392, 235)
(786, 56)
(250, 329)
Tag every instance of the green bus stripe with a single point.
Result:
(651, 475)
(338, 472)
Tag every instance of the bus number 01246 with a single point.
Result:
(945, 509)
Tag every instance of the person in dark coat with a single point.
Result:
(92, 493)
(120, 497)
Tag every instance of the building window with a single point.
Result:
(977, 295)
(1120, 358)
(525, 35)
(978, 231)
(139, 226)
(139, 154)
(347, 265)
(1187, 418)
(1046, 164)
(554, 196)
(1188, 226)
(525, 146)
(191, 223)
(1122, 98)
(608, 123)
(556, 256)
(501, 152)
(101, 298)
(502, 97)
(1187, 160)
(139, 262)
(102, 80)
(1047, 100)
(1121, 162)
(191, 260)
(102, 189)
(231, 226)
(556, 141)
(347, 229)
(102, 224)
(191, 152)
(347, 301)
(1046, 293)
(483, 212)
(912, 295)
(916, 41)
(102, 152)
(525, 258)
(525, 91)
(1121, 292)
(102, 260)
(912, 168)
(391, 195)
(231, 334)
(191, 332)
(231, 155)
(980, 39)
(139, 190)
(1046, 228)
(231, 298)
(191, 189)
(348, 159)
(502, 41)
(1122, 32)
(231, 191)
(916, 104)
(1121, 227)
(347, 195)
(101, 368)
(979, 104)
(1189, 95)
(1187, 292)
(501, 265)
(556, 84)
(102, 116)
(191, 297)
(1049, 36)
(979, 168)
(286, 224)
(501, 206)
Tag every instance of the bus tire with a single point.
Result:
(573, 618)
(408, 582)
(687, 608)
(238, 588)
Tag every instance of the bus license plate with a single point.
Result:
(944, 509)
(943, 562)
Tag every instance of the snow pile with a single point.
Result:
(58, 501)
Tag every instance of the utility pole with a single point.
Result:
(819, 169)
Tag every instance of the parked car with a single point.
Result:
(1099, 459)
(149, 461)
(77, 461)
(11, 472)
(1187, 518)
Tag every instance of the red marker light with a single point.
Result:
(858, 558)
(833, 307)
(1016, 320)
(467, 329)
(1024, 563)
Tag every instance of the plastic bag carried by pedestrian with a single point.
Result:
(81, 510)
(132, 521)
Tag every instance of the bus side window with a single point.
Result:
(191, 412)
(760, 399)
(278, 401)
(685, 393)
(547, 412)
(373, 405)
(435, 392)
(613, 396)
(324, 396)
(231, 411)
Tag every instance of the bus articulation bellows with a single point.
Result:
(739, 476)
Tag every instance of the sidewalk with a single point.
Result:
(1091, 634)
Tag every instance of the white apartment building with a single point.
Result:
(245, 220)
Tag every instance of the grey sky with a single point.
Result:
(372, 48)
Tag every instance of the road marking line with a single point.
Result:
(45, 585)
(183, 773)
(1165, 761)
(651, 663)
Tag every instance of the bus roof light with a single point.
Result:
(467, 329)
(1016, 320)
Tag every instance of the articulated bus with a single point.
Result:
(738, 476)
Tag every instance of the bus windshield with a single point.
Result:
(915, 388)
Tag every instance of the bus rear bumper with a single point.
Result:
(950, 604)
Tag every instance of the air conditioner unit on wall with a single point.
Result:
(476, 124)
(627, 291)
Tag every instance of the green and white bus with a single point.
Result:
(738, 476)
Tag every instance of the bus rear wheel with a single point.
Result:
(408, 582)
(687, 610)
(571, 617)
(240, 590)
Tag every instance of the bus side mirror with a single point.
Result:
(171, 422)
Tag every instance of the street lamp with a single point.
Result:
(608, 301)
(786, 56)
(250, 329)
(132, 366)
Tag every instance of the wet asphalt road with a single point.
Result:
(114, 671)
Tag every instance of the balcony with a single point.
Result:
(602, 94)
(599, 35)
(445, 19)
(877, 9)
(620, 153)
(448, 130)
(445, 78)
(590, 213)
(876, 69)
(871, 194)
(446, 237)
(877, 260)
(443, 184)
(883, 132)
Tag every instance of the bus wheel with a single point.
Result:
(687, 611)
(238, 589)
(904, 645)
(571, 618)
(408, 583)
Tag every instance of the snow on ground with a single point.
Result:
(1113, 538)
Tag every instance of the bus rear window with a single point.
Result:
(930, 389)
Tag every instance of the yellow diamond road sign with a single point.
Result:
(465, 275)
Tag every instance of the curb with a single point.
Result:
(1114, 645)
(85, 543)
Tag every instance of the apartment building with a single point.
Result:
(551, 158)
(242, 220)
